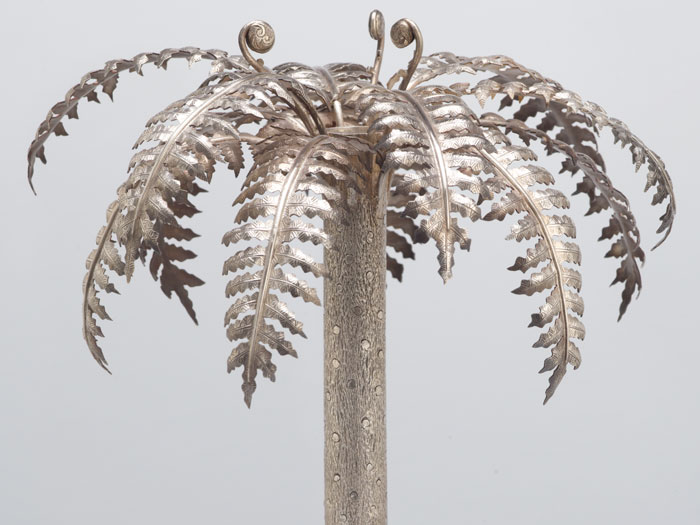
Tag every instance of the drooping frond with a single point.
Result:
(190, 136)
(106, 80)
(179, 146)
(292, 179)
(551, 250)
(565, 110)
(105, 256)
(426, 135)
(561, 109)
(512, 78)
(602, 195)
(574, 129)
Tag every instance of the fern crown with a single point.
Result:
(324, 134)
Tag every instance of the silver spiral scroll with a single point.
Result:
(403, 33)
(258, 36)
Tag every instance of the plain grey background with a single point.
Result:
(167, 438)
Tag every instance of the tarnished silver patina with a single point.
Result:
(345, 162)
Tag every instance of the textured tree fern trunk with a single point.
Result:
(354, 368)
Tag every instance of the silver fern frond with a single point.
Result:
(105, 256)
(565, 109)
(574, 129)
(551, 250)
(426, 134)
(622, 227)
(190, 136)
(105, 79)
(560, 108)
(300, 179)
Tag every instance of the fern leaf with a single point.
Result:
(574, 129)
(566, 109)
(173, 278)
(188, 137)
(428, 133)
(279, 187)
(561, 108)
(563, 282)
(106, 80)
(622, 227)
(104, 257)
(286, 254)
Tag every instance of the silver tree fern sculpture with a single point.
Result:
(344, 162)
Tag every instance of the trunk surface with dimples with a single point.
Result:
(354, 367)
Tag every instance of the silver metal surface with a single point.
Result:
(354, 366)
(260, 37)
(344, 162)
(403, 33)
(376, 31)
